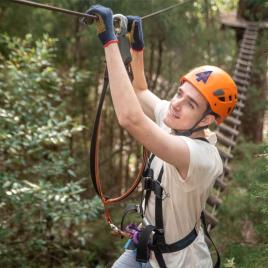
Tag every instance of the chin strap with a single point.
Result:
(190, 131)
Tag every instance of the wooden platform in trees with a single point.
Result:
(230, 19)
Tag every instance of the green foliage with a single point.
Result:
(255, 10)
(242, 235)
(229, 263)
(33, 126)
(44, 218)
(45, 223)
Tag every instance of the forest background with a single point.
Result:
(51, 72)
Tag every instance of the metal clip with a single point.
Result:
(120, 24)
(114, 228)
(165, 194)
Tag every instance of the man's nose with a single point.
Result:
(178, 102)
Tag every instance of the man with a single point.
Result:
(183, 161)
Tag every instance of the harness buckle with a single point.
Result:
(147, 183)
(148, 173)
(160, 231)
(158, 189)
(150, 184)
(138, 209)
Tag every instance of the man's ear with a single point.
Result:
(208, 120)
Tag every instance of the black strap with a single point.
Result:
(147, 173)
(203, 219)
(159, 257)
(151, 160)
(142, 248)
(202, 139)
(190, 131)
(157, 247)
(159, 237)
(94, 136)
(147, 185)
(179, 245)
(159, 209)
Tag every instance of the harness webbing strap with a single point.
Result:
(178, 245)
(158, 244)
(203, 219)
(159, 256)
(147, 173)
(143, 253)
(159, 211)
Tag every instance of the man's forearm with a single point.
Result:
(137, 65)
(125, 101)
(146, 98)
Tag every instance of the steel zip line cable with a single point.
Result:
(53, 8)
(165, 9)
(79, 14)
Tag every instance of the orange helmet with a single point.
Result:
(217, 87)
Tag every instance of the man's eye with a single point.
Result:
(191, 105)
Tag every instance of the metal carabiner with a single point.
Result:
(120, 24)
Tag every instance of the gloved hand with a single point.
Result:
(105, 27)
(134, 28)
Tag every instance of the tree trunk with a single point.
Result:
(121, 170)
(77, 47)
(159, 63)
(253, 118)
(151, 64)
(208, 24)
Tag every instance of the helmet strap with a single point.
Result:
(190, 131)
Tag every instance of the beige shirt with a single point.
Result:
(186, 199)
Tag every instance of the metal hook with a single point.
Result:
(120, 24)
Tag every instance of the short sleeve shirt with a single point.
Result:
(185, 198)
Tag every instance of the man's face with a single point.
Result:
(186, 108)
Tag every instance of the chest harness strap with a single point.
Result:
(152, 237)
(157, 244)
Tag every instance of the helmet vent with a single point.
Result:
(229, 110)
(222, 98)
(230, 97)
(218, 92)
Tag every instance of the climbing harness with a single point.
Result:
(152, 237)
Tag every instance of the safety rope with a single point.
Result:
(95, 166)
(164, 10)
(79, 14)
(53, 8)
(95, 140)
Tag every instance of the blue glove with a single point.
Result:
(105, 27)
(134, 28)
